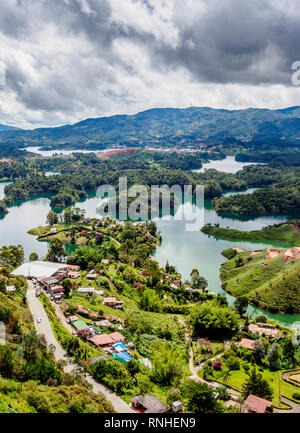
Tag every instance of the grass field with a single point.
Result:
(283, 233)
(237, 378)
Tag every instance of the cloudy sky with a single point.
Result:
(65, 60)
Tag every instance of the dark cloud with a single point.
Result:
(237, 42)
(76, 57)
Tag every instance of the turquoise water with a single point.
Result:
(227, 165)
(185, 250)
(2, 186)
(47, 153)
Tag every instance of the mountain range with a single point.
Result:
(166, 126)
(7, 128)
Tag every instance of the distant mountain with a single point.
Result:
(7, 128)
(168, 126)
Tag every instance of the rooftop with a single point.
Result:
(150, 403)
(257, 404)
(247, 343)
(39, 269)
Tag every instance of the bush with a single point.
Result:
(233, 363)
(39, 402)
(296, 396)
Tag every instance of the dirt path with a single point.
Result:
(286, 375)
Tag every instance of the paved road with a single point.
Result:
(38, 311)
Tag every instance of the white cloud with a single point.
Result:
(68, 60)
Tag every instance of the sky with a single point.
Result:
(62, 61)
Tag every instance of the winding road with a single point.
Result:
(44, 327)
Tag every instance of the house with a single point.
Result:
(104, 324)
(122, 356)
(112, 302)
(87, 290)
(74, 268)
(120, 347)
(47, 283)
(247, 344)
(11, 288)
(73, 274)
(255, 404)
(148, 404)
(117, 337)
(107, 340)
(56, 290)
(100, 292)
(92, 276)
(105, 261)
(102, 340)
(177, 406)
(39, 269)
(79, 325)
(263, 328)
(73, 318)
(203, 342)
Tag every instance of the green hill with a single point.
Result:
(268, 283)
(171, 126)
(288, 232)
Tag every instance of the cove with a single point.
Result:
(227, 165)
(185, 250)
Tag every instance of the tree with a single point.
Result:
(289, 352)
(2, 285)
(33, 257)
(207, 371)
(200, 398)
(12, 256)
(52, 218)
(214, 320)
(255, 384)
(258, 352)
(197, 281)
(241, 305)
(68, 286)
(168, 364)
(56, 251)
(152, 228)
(273, 356)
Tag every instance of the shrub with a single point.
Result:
(233, 363)
(217, 365)
(39, 402)
(296, 395)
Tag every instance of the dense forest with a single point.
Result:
(168, 127)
